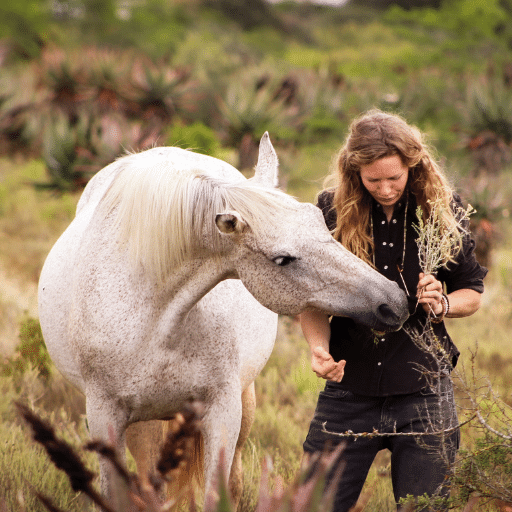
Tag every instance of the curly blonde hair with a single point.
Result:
(372, 136)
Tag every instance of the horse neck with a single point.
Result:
(186, 286)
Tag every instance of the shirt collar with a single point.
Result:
(399, 205)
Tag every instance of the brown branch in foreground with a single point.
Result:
(179, 441)
(63, 456)
(376, 433)
(109, 452)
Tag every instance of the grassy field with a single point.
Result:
(286, 389)
(79, 90)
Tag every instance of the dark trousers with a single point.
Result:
(419, 464)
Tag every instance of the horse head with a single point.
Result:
(290, 262)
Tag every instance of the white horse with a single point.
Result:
(166, 285)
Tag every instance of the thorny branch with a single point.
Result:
(376, 433)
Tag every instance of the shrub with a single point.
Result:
(196, 136)
(469, 19)
(30, 353)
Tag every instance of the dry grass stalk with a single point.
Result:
(47, 502)
(128, 494)
(109, 452)
(307, 493)
(63, 456)
(178, 455)
(180, 438)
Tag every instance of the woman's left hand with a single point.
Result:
(430, 293)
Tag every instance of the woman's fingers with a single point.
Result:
(337, 373)
(430, 293)
(429, 289)
(325, 367)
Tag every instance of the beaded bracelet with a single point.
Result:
(446, 307)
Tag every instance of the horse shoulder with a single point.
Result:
(244, 325)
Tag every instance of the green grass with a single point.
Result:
(286, 389)
(395, 63)
(30, 220)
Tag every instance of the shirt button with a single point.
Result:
(385, 267)
(379, 364)
(384, 243)
(382, 339)
(391, 244)
(383, 222)
(394, 221)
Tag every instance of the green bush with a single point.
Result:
(30, 353)
(469, 19)
(196, 136)
(24, 24)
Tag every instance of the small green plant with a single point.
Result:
(30, 352)
(196, 136)
(249, 107)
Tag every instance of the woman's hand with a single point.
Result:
(324, 365)
(430, 293)
(317, 331)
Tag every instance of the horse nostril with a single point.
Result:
(387, 313)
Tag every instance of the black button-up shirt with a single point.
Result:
(392, 364)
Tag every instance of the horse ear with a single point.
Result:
(230, 223)
(267, 166)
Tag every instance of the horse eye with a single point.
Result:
(282, 261)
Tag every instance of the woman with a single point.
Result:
(386, 383)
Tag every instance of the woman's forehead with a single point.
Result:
(383, 168)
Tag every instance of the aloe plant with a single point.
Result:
(73, 153)
(249, 107)
(158, 89)
(488, 112)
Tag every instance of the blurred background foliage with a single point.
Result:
(83, 81)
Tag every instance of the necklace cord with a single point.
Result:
(400, 265)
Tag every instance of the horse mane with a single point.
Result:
(166, 215)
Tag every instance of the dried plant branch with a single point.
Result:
(438, 239)
(178, 444)
(376, 433)
(108, 451)
(63, 456)
(47, 502)
(485, 470)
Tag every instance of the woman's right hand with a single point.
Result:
(324, 365)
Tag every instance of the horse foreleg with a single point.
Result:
(236, 481)
(107, 423)
(144, 440)
(221, 428)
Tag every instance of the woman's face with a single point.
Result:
(385, 179)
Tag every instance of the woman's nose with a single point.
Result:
(384, 188)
